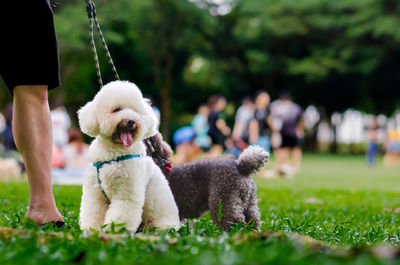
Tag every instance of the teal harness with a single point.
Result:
(99, 165)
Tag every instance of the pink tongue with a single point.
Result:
(126, 139)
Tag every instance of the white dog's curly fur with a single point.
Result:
(120, 119)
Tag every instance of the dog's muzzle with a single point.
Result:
(124, 132)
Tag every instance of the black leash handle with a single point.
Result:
(91, 12)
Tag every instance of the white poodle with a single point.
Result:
(123, 185)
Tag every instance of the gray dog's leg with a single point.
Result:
(231, 210)
(252, 213)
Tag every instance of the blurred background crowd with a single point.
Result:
(283, 127)
(70, 152)
(291, 76)
(279, 126)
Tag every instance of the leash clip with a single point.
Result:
(54, 4)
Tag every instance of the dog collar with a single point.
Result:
(99, 165)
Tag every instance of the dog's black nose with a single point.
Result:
(131, 123)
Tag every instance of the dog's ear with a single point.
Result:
(163, 148)
(87, 120)
(151, 120)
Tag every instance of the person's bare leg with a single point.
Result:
(282, 156)
(296, 159)
(215, 151)
(33, 138)
(277, 153)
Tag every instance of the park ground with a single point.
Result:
(337, 211)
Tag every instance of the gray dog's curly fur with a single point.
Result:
(201, 185)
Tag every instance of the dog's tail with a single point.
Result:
(252, 160)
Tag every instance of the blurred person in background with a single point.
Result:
(61, 123)
(155, 109)
(244, 115)
(75, 153)
(158, 114)
(200, 127)
(57, 158)
(218, 130)
(186, 150)
(232, 148)
(2, 122)
(392, 148)
(75, 160)
(259, 127)
(7, 133)
(11, 164)
(372, 145)
(287, 119)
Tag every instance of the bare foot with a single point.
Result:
(43, 214)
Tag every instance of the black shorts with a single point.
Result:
(290, 141)
(28, 46)
(217, 138)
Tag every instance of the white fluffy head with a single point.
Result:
(116, 102)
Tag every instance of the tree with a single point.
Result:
(337, 54)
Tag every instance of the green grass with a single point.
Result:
(348, 207)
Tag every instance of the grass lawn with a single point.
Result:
(337, 211)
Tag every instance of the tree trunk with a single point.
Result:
(166, 94)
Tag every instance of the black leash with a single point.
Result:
(91, 12)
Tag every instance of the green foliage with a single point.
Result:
(338, 54)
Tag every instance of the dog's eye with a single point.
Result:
(117, 109)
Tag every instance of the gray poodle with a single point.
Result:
(201, 185)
